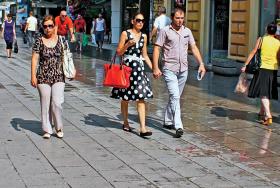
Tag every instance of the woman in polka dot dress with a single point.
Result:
(133, 47)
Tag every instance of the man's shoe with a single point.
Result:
(179, 132)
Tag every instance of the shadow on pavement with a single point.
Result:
(102, 121)
(152, 122)
(31, 125)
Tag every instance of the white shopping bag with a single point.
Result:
(93, 41)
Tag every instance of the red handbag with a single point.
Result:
(116, 75)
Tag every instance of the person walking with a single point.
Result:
(9, 34)
(133, 47)
(80, 29)
(49, 77)
(31, 28)
(64, 25)
(264, 82)
(160, 22)
(175, 39)
(99, 30)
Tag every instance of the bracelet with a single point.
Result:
(201, 64)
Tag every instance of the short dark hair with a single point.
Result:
(177, 10)
(10, 15)
(271, 29)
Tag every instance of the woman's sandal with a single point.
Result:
(267, 121)
(148, 133)
(126, 128)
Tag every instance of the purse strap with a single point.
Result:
(62, 43)
(260, 44)
(113, 61)
(60, 38)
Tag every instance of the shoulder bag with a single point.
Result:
(255, 63)
(116, 75)
(68, 64)
(15, 47)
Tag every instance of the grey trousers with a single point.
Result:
(175, 84)
(51, 99)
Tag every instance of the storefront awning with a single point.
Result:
(44, 4)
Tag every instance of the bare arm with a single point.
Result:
(3, 30)
(198, 58)
(154, 31)
(14, 31)
(156, 72)
(122, 46)
(34, 61)
(250, 56)
(145, 53)
(252, 53)
(26, 26)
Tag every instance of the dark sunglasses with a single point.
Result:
(51, 26)
(139, 20)
(63, 16)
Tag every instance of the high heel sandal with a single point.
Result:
(126, 128)
(267, 121)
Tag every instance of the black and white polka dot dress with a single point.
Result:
(140, 87)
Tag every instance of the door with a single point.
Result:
(219, 28)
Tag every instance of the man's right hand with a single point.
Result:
(73, 39)
(157, 73)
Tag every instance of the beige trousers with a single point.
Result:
(51, 99)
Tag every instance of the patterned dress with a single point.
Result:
(50, 64)
(140, 87)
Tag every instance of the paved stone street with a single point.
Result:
(223, 145)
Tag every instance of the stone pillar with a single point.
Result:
(116, 20)
(47, 11)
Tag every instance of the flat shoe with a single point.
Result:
(127, 129)
(59, 134)
(148, 133)
(46, 135)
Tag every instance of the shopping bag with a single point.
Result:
(116, 75)
(242, 85)
(15, 47)
(93, 41)
(68, 64)
(84, 40)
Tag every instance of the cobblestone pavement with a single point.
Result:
(223, 145)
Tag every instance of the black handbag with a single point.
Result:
(255, 63)
(15, 47)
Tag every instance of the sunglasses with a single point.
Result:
(50, 26)
(139, 20)
(63, 16)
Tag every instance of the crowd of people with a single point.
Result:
(171, 45)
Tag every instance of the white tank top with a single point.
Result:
(99, 24)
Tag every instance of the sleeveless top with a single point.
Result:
(8, 31)
(99, 24)
(269, 50)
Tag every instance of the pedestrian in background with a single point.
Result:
(174, 40)
(31, 28)
(99, 30)
(49, 77)
(80, 29)
(64, 25)
(264, 82)
(160, 22)
(133, 47)
(9, 34)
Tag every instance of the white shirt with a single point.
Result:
(99, 24)
(162, 21)
(32, 23)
